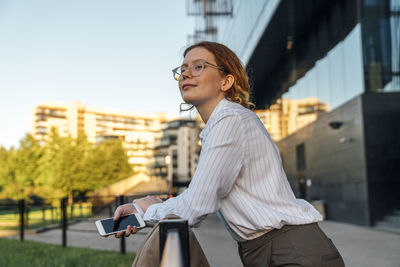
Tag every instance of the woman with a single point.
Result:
(239, 174)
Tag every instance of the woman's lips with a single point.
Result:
(187, 86)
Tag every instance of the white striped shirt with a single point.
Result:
(240, 175)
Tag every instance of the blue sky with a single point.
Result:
(112, 54)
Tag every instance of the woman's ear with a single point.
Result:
(227, 82)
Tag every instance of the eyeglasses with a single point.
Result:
(196, 69)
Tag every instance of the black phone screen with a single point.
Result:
(110, 225)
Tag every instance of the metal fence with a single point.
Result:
(44, 214)
(47, 214)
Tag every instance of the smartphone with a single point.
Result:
(109, 226)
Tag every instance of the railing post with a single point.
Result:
(52, 213)
(27, 210)
(43, 214)
(72, 211)
(64, 221)
(110, 210)
(122, 239)
(21, 208)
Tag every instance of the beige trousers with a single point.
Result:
(292, 245)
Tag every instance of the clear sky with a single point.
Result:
(114, 54)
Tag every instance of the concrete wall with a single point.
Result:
(334, 163)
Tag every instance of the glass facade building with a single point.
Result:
(345, 54)
(335, 78)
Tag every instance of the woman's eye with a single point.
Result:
(198, 66)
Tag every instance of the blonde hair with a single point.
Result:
(227, 59)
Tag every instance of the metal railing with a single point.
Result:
(174, 243)
(172, 255)
(173, 233)
(40, 217)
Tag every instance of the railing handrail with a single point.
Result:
(174, 243)
(172, 255)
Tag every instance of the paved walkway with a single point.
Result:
(359, 246)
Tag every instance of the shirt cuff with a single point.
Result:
(151, 212)
(139, 209)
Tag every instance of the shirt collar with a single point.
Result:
(223, 103)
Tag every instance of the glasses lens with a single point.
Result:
(197, 68)
(176, 73)
(183, 68)
(177, 76)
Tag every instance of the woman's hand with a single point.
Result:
(124, 210)
(127, 209)
(146, 202)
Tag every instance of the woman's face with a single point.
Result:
(203, 89)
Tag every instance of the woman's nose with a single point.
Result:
(186, 74)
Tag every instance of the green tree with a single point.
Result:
(62, 166)
(107, 164)
(7, 173)
(27, 159)
(50, 165)
(19, 168)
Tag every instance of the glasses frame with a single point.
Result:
(179, 76)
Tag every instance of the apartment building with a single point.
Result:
(177, 152)
(138, 131)
(287, 115)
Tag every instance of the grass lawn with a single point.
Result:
(29, 253)
(37, 217)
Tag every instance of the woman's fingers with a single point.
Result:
(129, 230)
(119, 234)
(123, 210)
(117, 213)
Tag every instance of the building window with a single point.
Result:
(300, 157)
